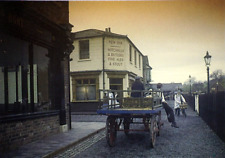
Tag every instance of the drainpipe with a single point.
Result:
(103, 61)
(69, 104)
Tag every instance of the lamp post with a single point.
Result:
(190, 83)
(207, 59)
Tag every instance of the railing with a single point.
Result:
(112, 99)
(212, 111)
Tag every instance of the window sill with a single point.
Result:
(84, 101)
(27, 116)
(82, 60)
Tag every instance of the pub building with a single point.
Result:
(35, 44)
(103, 60)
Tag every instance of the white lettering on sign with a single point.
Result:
(115, 52)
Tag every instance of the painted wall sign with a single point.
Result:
(115, 52)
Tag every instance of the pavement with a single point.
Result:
(83, 127)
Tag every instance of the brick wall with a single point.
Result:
(14, 134)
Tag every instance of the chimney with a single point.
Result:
(108, 29)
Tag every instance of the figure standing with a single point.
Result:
(178, 100)
(169, 113)
(137, 85)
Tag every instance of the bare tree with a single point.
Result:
(217, 74)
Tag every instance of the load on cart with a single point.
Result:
(123, 110)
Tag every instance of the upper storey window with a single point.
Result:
(130, 50)
(84, 49)
(135, 58)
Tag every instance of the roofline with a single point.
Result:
(106, 34)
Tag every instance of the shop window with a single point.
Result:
(84, 49)
(41, 78)
(24, 80)
(14, 80)
(85, 89)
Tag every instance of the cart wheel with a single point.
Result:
(111, 131)
(153, 130)
(159, 124)
(126, 124)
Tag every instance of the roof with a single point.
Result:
(146, 62)
(95, 33)
(168, 86)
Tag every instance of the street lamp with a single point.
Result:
(207, 59)
(190, 83)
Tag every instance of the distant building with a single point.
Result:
(216, 86)
(168, 89)
(34, 78)
(103, 60)
(147, 76)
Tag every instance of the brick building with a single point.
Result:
(34, 78)
(103, 60)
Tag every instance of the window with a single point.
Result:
(85, 89)
(135, 57)
(84, 49)
(24, 78)
(41, 78)
(139, 61)
(116, 83)
(130, 50)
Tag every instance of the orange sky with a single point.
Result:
(174, 34)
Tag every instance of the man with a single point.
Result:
(168, 109)
(169, 113)
(137, 85)
(178, 100)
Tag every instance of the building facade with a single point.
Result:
(103, 60)
(34, 71)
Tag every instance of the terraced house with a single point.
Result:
(103, 60)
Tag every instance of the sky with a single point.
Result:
(175, 35)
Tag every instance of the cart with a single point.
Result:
(123, 110)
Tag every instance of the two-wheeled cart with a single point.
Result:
(123, 110)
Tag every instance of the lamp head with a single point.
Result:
(207, 59)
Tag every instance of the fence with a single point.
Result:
(212, 111)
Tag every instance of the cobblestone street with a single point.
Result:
(193, 139)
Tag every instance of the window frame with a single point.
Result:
(139, 61)
(85, 85)
(130, 51)
(135, 58)
(84, 49)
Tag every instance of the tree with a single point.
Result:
(218, 79)
(217, 74)
(196, 86)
